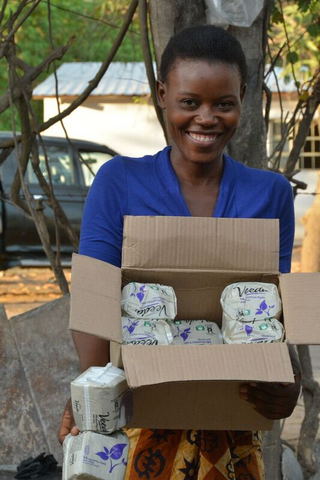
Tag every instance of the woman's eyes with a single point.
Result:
(225, 105)
(188, 102)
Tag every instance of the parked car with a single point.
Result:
(72, 167)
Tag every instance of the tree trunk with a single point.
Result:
(272, 451)
(170, 16)
(249, 144)
(310, 254)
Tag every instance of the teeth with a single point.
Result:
(203, 138)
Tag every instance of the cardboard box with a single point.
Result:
(190, 386)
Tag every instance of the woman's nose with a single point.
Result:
(206, 116)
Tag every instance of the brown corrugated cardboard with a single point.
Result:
(198, 257)
(301, 306)
(196, 245)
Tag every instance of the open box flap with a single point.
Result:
(95, 298)
(239, 244)
(145, 365)
(300, 294)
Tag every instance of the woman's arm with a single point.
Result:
(92, 351)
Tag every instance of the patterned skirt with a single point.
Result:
(194, 455)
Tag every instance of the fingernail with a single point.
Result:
(244, 396)
(252, 405)
(253, 384)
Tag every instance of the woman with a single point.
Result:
(201, 87)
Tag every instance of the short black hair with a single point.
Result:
(204, 42)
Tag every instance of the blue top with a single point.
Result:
(149, 186)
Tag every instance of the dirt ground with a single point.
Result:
(22, 289)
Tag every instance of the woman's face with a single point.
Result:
(203, 104)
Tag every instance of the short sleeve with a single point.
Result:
(286, 218)
(102, 223)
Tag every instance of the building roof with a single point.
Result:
(120, 79)
(125, 79)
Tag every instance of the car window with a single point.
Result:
(91, 162)
(60, 163)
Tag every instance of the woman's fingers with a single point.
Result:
(67, 423)
(272, 400)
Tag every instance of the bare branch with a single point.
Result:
(3, 9)
(16, 27)
(95, 81)
(28, 78)
(289, 48)
(268, 105)
(143, 18)
(15, 15)
(59, 214)
(310, 424)
(37, 211)
(96, 19)
(304, 126)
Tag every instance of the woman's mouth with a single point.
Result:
(203, 138)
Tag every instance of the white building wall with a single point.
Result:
(129, 128)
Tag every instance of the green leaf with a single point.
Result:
(303, 5)
(277, 17)
(314, 30)
(287, 79)
(292, 57)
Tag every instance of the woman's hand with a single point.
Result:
(274, 400)
(67, 423)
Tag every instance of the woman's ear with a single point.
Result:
(242, 92)
(161, 94)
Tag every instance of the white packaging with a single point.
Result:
(248, 301)
(258, 331)
(146, 332)
(101, 400)
(148, 301)
(241, 13)
(196, 332)
(90, 456)
(250, 313)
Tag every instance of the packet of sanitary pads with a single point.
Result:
(101, 400)
(269, 330)
(248, 301)
(148, 301)
(250, 313)
(196, 332)
(90, 456)
(146, 332)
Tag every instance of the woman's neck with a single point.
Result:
(197, 174)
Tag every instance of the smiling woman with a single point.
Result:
(201, 88)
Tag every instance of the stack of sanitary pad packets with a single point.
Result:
(148, 318)
(251, 313)
(102, 404)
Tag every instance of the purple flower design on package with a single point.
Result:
(248, 329)
(114, 454)
(264, 308)
(184, 334)
(131, 326)
(140, 294)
